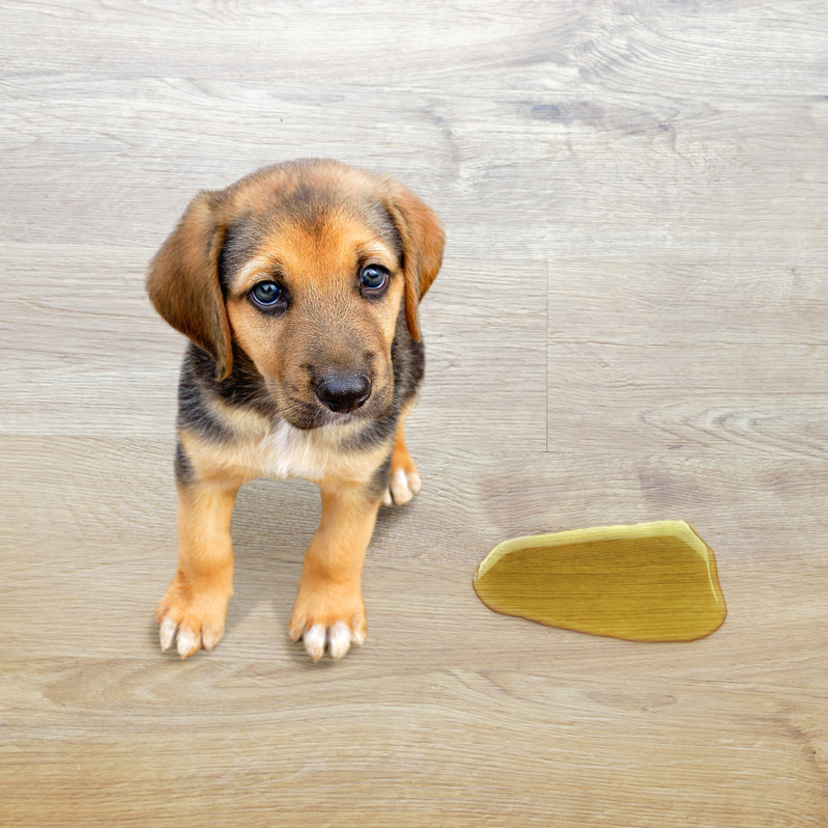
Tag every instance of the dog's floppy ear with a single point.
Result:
(183, 280)
(423, 241)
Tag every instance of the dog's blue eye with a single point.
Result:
(267, 294)
(373, 278)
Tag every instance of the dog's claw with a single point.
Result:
(187, 642)
(314, 641)
(335, 640)
(166, 634)
(339, 640)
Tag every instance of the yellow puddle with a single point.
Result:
(647, 582)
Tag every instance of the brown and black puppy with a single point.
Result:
(299, 287)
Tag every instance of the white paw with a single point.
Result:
(185, 640)
(336, 640)
(402, 487)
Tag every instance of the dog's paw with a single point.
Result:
(328, 621)
(190, 619)
(403, 484)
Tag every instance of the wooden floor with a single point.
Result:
(631, 325)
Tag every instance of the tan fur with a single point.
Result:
(316, 225)
(279, 348)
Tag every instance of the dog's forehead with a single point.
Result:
(312, 213)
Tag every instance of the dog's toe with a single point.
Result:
(210, 636)
(166, 634)
(340, 638)
(187, 642)
(314, 641)
(402, 487)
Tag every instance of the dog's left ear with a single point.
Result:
(183, 280)
(423, 241)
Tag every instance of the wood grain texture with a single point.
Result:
(630, 326)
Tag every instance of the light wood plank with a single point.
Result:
(630, 326)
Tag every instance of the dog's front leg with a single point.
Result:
(192, 611)
(329, 611)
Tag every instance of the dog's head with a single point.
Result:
(304, 266)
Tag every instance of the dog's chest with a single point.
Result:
(315, 455)
(288, 452)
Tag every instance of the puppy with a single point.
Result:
(299, 288)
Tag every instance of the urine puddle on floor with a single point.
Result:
(645, 582)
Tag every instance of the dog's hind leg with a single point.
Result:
(403, 479)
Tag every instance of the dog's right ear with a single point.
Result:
(183, 280)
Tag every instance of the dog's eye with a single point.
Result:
(373, 279)
(267, 295)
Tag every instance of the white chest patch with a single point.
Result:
(287, 452)
(315, 455)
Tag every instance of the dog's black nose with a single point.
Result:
(344, 392)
